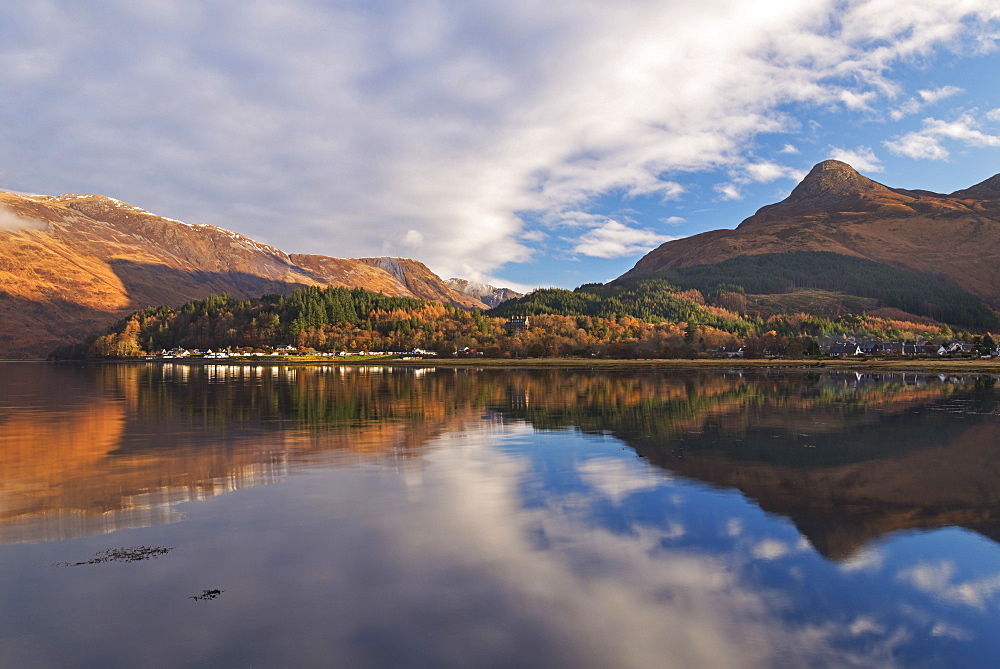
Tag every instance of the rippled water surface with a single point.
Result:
(173, 515)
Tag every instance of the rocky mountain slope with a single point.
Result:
(836, 209)
(488, 294)
(74, 264)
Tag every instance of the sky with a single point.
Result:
(518, 142)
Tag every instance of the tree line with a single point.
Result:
(642, 319)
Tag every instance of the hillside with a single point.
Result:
(837, 210)
(72, 265)
(768, 274)
(713, 311)
(650, 300)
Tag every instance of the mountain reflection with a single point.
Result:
(847, 458)
(101, 448)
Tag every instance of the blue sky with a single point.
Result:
(518, 142)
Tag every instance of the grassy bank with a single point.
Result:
(920, 365)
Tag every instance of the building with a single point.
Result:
(845, 349)
(517, 324)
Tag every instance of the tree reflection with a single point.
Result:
(847, 457)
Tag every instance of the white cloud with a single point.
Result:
(911, 106)
(765, 172)
(339, 128)
(574, 219)
(857, 101)
(413, 238)
(925, 97)
(673, 220)
(917, 145)
(11, 220)
(926, 143)
(761, 171)
(861, 158)
(728, 191)
(788, 148)
(993, 115)
(964, 130)
(934, 95)
(616, 240)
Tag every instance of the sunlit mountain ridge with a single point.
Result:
(73, 265)
(836, 210)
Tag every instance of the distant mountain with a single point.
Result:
(955, 237)
(488, 294)
(73, 265)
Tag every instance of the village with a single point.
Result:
(285, 350)
(850, 348)
(886, 349)
(883, 349)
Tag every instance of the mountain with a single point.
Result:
(835, 209)
(486, 293)
(74, 264)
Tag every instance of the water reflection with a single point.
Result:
(847, 457)
(95, 449)
(531, 518)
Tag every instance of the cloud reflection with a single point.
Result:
(624, 599)
(617, 478)
(937, 579)
(454, 533)
(866, 561)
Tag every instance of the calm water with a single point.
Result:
(364, 517)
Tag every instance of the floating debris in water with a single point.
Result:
(206, 595)
(129, 554)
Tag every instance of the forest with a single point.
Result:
(649, 300)
(774, 273)
(641, 319)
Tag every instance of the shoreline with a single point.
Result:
(928, 366)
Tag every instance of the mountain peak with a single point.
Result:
(831, 186)
(832, 165)
(489, 295)
(834, 209)
(833, 180)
